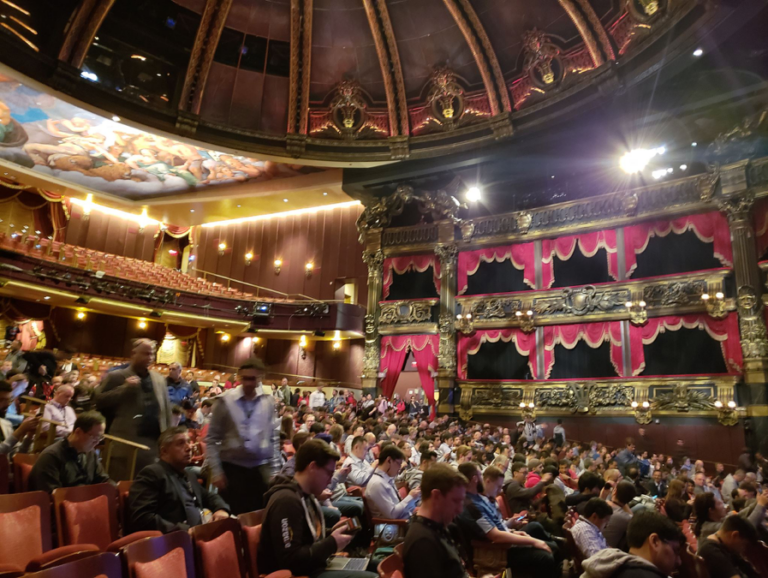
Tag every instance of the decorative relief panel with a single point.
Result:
(407, 316)
(418, 235)
(585, 397)
(583, 301)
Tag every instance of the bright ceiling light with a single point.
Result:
(116, 118)
(698, 52)
(636, 160)
(473, 194)
(683, 167)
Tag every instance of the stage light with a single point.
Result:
(225, 337)
(693, 144)
(303, 341)
(698, 52)
(683, 167)
(337, 344)
(142, 324)
(473, 194)
(636, 160)
(81, 315)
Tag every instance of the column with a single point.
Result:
(446, 373)
(372, 356)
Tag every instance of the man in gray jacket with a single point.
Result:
(135, 402)
(243, 443)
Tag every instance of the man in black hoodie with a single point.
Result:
(293, 536)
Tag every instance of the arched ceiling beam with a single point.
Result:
(212, 22)
(590, 29)
(389, 60)
(82, 30)
(301, 66)
(477, 39)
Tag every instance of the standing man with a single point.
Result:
(42, 366)
(627, 457)
(194, 386)
(285, 391)
(317, 399)
(16, 357)
(58, 409)
(178, 388)
(243, 441)
(135, 402)
(9, 439)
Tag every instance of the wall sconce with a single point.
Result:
(225, 337)
(87, 207)
(337, 340)
(309, 268)
(464, 323)
(642, 412)
(727, 414)
(637, 312)
(715, 307)
(222, 248)
(248, 258)
(80, 315)
(142, 323)
(143, 220)
(525, 320)
(528, 409)
(303, 346)
(278, 266)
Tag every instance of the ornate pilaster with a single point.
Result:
(82, 30)
(372, 355)
(446, 373)
(737, 203)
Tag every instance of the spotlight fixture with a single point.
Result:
(116, 118)
(636, 160)
(80, 315)
(473, 194)
(278, 266)
(225, 337)
(319, 333)
(337, 345)
(718, 404)
(156, 314)
(698, 52)
(732, 404)
(248, 258)
(303, 346)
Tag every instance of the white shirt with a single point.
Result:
(361, 471)
(316, 400)
(54, 411)
(384, 500)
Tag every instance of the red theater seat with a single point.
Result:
(95, 566)
(218, 549)
(86, 515)
(168, 556)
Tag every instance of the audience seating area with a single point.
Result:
(118, 266)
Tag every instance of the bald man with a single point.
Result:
(59, 410)
(136, 404)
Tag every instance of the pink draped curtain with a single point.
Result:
(525, 343)
(394, 350)
(589, 244)
(521, 256)
(401, 265)
(725, 331)
(709, 228)
(594, 334)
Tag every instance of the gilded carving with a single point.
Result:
(445, 324)
(446, 358)
(467, 230)
(406, 312)
(585, 397)
(374, 261)
(348, 108)
(542, 63)
(683, 399)
(744, 141)
(754, 340)
(465, 408)
(581, 301)
(675, 293)
(446, 97)
(418, 235)
(371, 359)
(370, 324)
(497, 396)
(629, 204)
(447, 255)
(524, 220)
(737, 207)
(708, 184)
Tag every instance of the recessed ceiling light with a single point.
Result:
(325, 194)
(47, 297)
(238, 206)
(116, 118)
(698, 52)
(285, 200)
(693, 144)
(191, 210)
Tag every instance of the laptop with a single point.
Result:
(349, 564)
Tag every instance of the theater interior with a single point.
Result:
(553, 209)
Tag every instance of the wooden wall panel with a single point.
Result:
(327, 238)
(110, 234)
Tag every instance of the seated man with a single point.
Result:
(381, 492)
(412, 477)
(165, 496)
(590, 485)
(9, 442)
(72, 461)
(724, 550)
(615, 531)
(529, 556)
(654, 550)
(429, 551)
(588, 530)
(518, 496)
(293, 536)
(58, 409)
(360, 470)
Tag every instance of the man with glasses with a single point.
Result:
(243, 442)
(178, 388)
(518, 496)
(72, 461)
(654, 550)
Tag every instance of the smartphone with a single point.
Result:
(520, 519)
(353, 524)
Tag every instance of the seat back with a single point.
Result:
(251, 525)
(22, 467)
(692, 566)
(251, 518)
(389, 565)
(101, 565)
(757, 555)
(219, 549)
(402, 491)
(5, 474)
(503, 507)
(123, 488)
(86, 515)
(168, 556)
(25, 527)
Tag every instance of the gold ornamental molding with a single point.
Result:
(301, 66)
(657, 296)
(584, 30)
(389, 61)
(407, 316)
(212, 22)
(642, 398)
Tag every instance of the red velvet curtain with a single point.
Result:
(725, 331)
(18, 312)
(525, 343)
(401, 265)
(594, 334)
(708, 227)
(521, 256)
(394, 350)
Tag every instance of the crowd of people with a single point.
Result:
(312, 461)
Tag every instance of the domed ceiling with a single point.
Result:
(346, 82)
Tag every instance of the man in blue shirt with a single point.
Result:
(178, 388)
